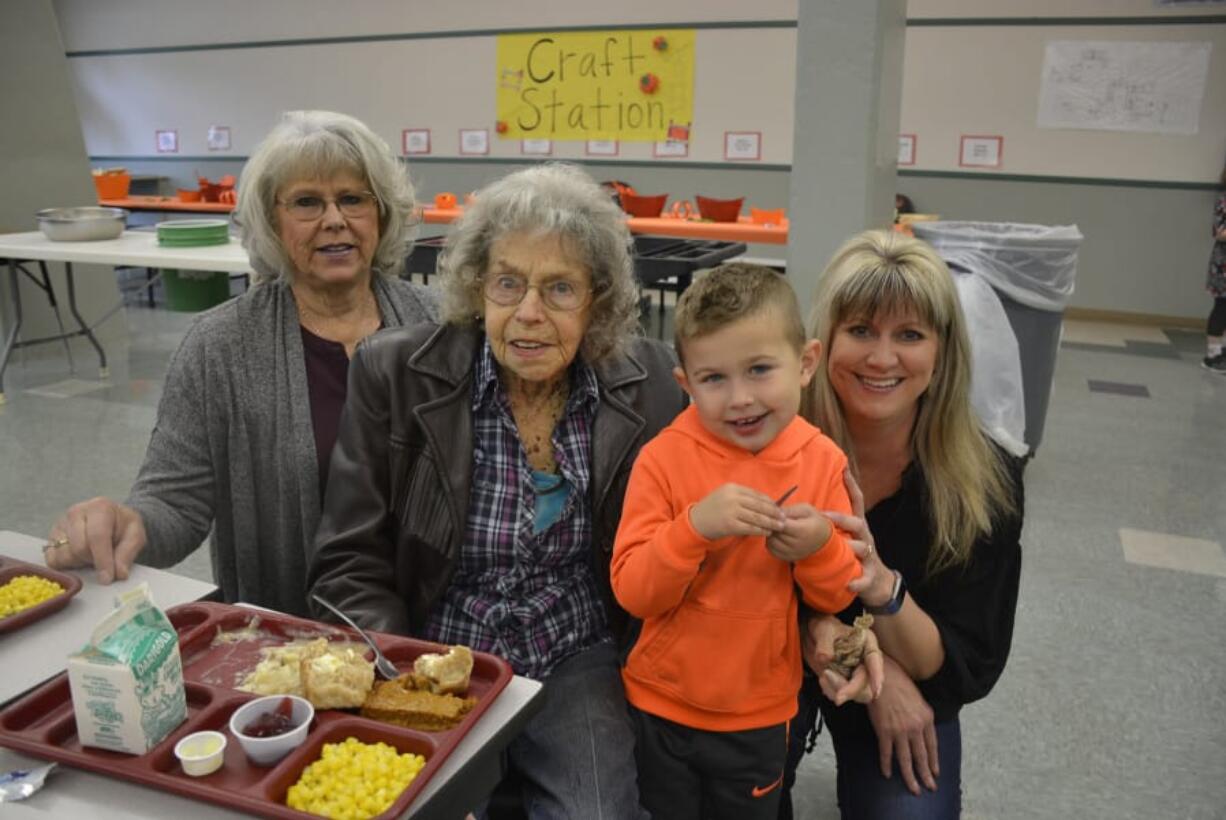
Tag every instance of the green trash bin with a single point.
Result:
(195, 290)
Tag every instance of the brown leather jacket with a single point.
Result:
(398, 490)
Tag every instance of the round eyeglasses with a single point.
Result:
(558, 294)
(310, 207)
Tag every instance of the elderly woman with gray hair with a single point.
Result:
(478, 477)
(253, 396)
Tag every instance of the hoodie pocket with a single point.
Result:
(717, 661)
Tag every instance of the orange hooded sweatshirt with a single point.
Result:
(720, 645)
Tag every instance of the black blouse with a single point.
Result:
(973, 605)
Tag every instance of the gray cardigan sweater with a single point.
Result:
(233, 446)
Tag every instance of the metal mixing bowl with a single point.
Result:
(81, 224)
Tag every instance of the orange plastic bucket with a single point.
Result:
(112, 186)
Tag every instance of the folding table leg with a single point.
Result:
(103, 370)
(42, 266)
(12, 337)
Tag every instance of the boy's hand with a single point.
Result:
(805, 531)
(735, 510)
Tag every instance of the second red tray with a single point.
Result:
(42, 723)
(10, 568)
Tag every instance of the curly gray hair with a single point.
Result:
(317, 145)
(552, 199)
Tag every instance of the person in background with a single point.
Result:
(937, 521)
(253, 395)
(478, 477)
(902, 205)
(721, 531)
(1215, 331)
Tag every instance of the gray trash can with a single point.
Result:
(1032, 268)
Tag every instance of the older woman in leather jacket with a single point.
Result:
(477, 480)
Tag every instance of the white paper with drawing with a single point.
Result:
(1124, 86)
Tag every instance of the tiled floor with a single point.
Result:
(1112, 703)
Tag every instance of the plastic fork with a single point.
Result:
(382, 665)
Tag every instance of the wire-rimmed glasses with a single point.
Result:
(561, 294)
(310, 207)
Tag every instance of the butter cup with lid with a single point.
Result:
(201, 753)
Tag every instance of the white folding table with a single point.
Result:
(135, 248)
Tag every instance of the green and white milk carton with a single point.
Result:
(127, 683)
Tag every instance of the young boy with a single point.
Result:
(719, 528)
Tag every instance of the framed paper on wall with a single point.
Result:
(742, 146)
(670, 148)
(906, 149)
(167, 141)
(415, 141)
(602, 148)
(474, 141)
(978, 151)
(536, 148)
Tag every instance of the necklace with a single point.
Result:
(347, 328)
(536, 420)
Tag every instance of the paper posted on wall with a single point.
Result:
(1124, 86)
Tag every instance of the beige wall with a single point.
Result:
(985, 80)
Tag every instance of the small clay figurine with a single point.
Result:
(849, 649)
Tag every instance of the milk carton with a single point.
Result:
(127, 683)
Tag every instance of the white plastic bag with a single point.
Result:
(996, 370)
(1035, 265)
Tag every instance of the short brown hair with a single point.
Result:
(732, 292)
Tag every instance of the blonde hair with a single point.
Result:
(886, 273)
(731, 292)
(554, 199)
(318, 145)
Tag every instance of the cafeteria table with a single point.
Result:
(166, 203)
(135, 248)
(466, 777)
(743, 230)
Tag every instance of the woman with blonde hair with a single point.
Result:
(938, 510)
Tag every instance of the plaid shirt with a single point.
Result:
(528, 597)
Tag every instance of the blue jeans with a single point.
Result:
(865, 795)
(576, 755)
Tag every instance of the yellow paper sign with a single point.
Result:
(596, 85)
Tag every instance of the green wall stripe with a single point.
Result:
(928, 22)
(420, 35)
(780, 167)
(955, 22)
(1055, 180)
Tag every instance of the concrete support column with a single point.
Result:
(44, 163)
(845, 146)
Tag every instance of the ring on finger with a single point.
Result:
(868, 549)
(58, 542)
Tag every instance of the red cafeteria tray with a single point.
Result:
(10, 568)
(42, 722)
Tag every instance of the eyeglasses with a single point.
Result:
(509, 290)
(309, 207)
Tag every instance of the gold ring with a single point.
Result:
(869, 552)
(59, 542)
